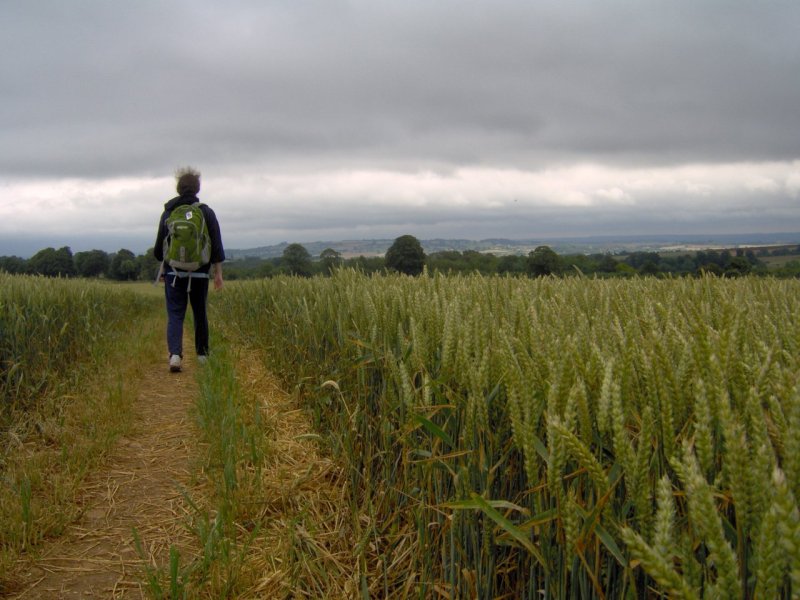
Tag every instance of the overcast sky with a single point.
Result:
(332, 119)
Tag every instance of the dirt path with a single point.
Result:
(138, 488)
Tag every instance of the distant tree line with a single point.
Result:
(122, 265)
(407, 256)
(544, 261)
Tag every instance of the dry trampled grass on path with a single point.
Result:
(137, 488)
(305, 545)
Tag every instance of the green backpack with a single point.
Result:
(187, 245)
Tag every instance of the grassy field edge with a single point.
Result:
(51, 446)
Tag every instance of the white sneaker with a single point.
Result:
(202, 359)
(174, 363)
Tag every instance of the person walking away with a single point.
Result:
(189, 247)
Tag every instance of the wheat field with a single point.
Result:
(515, 438)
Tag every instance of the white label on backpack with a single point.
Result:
(189, 216)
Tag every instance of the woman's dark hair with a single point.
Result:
(188, 180)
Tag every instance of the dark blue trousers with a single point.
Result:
(179, 296)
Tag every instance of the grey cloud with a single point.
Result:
(100, 88)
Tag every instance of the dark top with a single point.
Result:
(217, 251)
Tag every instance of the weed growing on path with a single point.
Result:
(234, 448)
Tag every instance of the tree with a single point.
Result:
(511, 264)
(638, 259)
(146, 265)
(543, 261)
(649, 267)
(123, 266)
(738, 265)
(265, 270)
(405, 255)
(297, 260)
(330, 259)
(92, 263)
(606, 263)
(371, 264)
(13, 264)
(52, 263)
(625, 269)
(709, 269)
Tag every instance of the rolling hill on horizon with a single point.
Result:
(503, 246)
